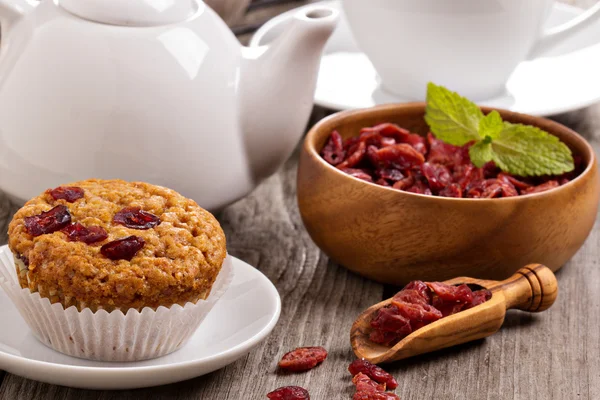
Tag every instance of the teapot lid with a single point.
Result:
(133, 12)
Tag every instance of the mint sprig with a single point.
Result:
(518, 149)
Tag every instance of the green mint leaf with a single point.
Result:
(529, 151)
(491, 125)
(481, 152)
(451, 117)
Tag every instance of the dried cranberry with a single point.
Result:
(365, 384)
(479, 297)
(354, 158)
(490, 170)
(333, 152)
(444, 153)
(513, 181)
(374, 372)
(136, 218)
(361, 395)
(404, 183)
(391, 174)
(399, 156)
(372, 138)
(465, 174)
(412, 296)
(358, 173)
(417, 141)
(417, 313)
(367, 389)
(421, 287)
(450, 299)
(122, 249)
(491, 188)
(350, 144)
(48, 221)
(388, 319)
(303, 359)
(437, 175)
(384, 338)
(452, 190)
(67, 193)
(541, 188)
(498, 188)
(419, 187)
(389, 130)
(289, 393)
(79, 233)
(450, 292)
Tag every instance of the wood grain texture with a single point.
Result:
(532, 288)
(395, 237)
(554, 355)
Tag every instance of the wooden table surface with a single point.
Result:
(553, 355)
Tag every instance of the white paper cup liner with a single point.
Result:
(113, 336)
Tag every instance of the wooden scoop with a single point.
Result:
(532, 288)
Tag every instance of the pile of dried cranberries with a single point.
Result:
(420, 304)
(59, 219)
(392, 156)
(371, 381)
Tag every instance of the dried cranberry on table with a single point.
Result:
(303, 359)
(289, 393)
(122, 249)
(368, 388)
(372, 395)
(49, 221)
(374, 372)
(68, 193)
(136, 218)
(79, 233)
(391, 156)
(419, 304)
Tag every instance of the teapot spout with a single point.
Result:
(277, 88)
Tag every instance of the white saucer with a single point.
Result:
(241, 319)
(566, 79)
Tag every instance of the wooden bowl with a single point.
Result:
(395, 237)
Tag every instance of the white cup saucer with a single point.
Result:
(565, 79)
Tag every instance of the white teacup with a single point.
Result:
(470, 46)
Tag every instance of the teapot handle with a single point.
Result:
(556, 35)
(11, 11)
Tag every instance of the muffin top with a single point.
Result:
(111, 244)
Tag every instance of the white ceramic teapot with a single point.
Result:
(152, 90)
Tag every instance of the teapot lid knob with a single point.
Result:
(133, 12)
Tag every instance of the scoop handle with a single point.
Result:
(533, 288)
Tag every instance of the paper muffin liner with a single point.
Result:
(113, 336)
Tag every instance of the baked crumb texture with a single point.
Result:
(179, 262)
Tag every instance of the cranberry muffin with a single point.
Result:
(111, 244)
